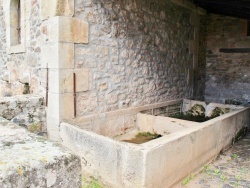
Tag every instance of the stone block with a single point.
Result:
(60, 106)
(61, 81)
(154, 163)
(82, 80)
(25, 110)
(52, 8)
(193, 47)
(29, 160)
(66, 29)
(53, 128)
(53, 105)
(57, 55)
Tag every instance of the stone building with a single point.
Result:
(84, 69)
(87, 58)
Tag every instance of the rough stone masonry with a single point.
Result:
(27, 160)
(27, 111)
(138, 53)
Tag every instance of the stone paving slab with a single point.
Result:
(28, 160)
(230, 169)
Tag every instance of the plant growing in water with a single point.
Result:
(143, 137)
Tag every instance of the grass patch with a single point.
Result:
(91, 183)
(187, 179)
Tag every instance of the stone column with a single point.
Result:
(193, 44)
(60, 31)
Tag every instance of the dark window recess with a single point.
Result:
(235, 50)
(19, 21)
(248, 28)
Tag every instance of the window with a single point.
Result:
(15, 22)
(19, 21)
(15, 25)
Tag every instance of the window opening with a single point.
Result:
(19, 21)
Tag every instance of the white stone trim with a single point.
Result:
(13, 46)
(52, 8)
(16, 49)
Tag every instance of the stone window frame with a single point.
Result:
(15, 39)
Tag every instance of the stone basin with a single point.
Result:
(183, 149)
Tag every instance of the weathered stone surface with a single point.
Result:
(27, 160)
(138, 53)
(153, 164)
(82, 80)
(19, 62)
(227, 74)
(112, 123)
(52, 8)
(61, 106)
(27, 111)
(57, 55)
(66, 29)
(230, 169)
(61, 81)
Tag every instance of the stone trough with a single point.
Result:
(184, 147)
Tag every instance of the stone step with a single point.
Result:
(28, 160)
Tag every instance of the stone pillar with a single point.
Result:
(60, 31)
(194, 44)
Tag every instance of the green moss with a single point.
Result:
(34, 128)
(239, 134)
(219, 111)
(148, 135)
(197, 110)
(143, 137)
(197, 114)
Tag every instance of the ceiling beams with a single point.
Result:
(235, 8)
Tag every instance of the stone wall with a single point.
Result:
(27, 111)
(22, 64)
(3, 55)
(138, 53)
(200, 73)
(228, 74)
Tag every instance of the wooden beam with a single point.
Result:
(235, 50)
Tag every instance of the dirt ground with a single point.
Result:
(230, 169)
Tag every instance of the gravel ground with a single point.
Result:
(230, 169)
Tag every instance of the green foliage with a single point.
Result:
(235, 156)
(223, 178)
(187, 179)
(92, 183)
(217, 172)
(219, 111)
